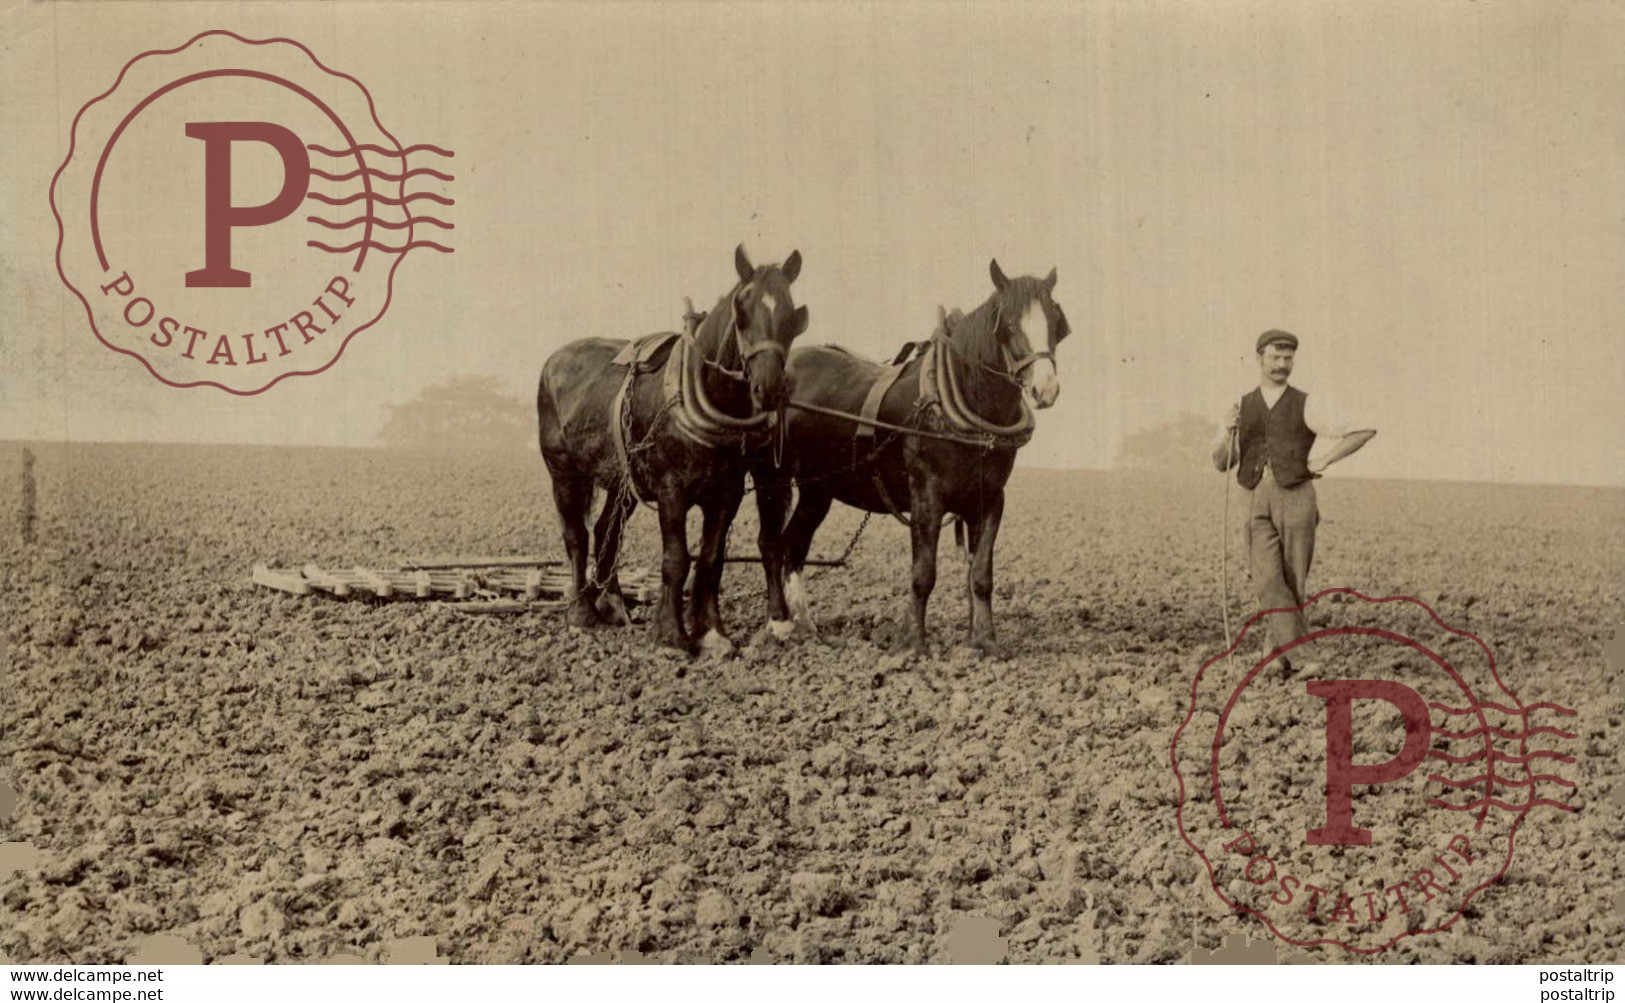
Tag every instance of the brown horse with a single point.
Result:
(675, 422)
(949, 450)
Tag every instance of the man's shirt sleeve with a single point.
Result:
(1325, 418)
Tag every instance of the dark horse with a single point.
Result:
(954, 457)
(690, 412)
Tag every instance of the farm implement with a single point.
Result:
(469, 584)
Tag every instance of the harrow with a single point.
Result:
(475, 584)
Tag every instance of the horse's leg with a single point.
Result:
(811, 508)
(983, 530)
(611, 605)
(772, 510)
(719, 515)
(926, 529)
(674, 561)
(573, 497)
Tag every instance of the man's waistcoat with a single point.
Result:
(1277, 435)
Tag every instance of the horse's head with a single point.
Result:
(765, 321)
(1028, 315)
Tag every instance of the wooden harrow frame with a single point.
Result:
(480, 584)
(476, 584)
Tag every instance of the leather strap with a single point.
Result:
(871, 403)
(866, 434)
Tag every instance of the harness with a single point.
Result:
(692, 411)
(940, 384)
(940, 387)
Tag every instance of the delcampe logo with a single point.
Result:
(232, 212)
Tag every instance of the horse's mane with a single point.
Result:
(975, 335)
(711, 335)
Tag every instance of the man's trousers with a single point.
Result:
(1280, 547)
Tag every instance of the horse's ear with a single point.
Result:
(999, 281)
(742, 264)
(1049, 280)
(799, 324)
(792, 266)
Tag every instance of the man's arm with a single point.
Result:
(1347, 445)
(1224, 444)
(1347, 441)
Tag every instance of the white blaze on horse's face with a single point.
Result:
(767, 384)
(1039, 379)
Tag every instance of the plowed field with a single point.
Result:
(297, 778)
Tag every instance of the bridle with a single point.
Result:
(745, 350)
(1013, 367)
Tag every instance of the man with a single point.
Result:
(1268, 435)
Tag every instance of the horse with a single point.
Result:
(672, 418)
(930, 436)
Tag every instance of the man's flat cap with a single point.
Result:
(1274, 337)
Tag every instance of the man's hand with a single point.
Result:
(1233, 419)
(1224, 451)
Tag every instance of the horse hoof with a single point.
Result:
(611, 609)
(669, 636)
(773, 634)
(989, 648)
(892, 636)
(582, 614)
(715, 646)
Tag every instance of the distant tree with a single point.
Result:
(1185, 443)
(464, 412)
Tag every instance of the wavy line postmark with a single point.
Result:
(232, 212)
(1372, 787)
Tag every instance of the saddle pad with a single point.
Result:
(644, 352)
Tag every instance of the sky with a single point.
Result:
(1429, 195)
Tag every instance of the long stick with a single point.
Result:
(30, 516)
(442, 563)
(1224, 535)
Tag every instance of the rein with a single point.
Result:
(964, 440)
(940, 384)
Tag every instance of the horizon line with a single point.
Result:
(1044, 468)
